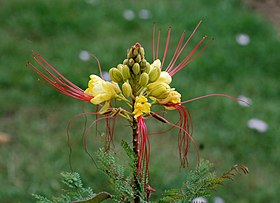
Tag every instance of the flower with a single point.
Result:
(174, 97)
(140, 81)
(141, 106)
(101, 90)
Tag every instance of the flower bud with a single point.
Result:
(135, 52)
(138, 58)
(115, 75)
(156, 63)
(115, 87)
(130, 53)
(130, 62)
(154, 74)
(147, 68)
(120, 67)
(126, 88)
(142, 52)
(159, 90)
(144, 79)
(126, 72)
(136, 68)
(143, 63)
(125, 61)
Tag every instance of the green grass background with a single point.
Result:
(35, 116)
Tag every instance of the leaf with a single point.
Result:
(96, 199)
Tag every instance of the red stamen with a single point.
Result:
(178, 51)
(57, 81)
(158, 42)
(166, 47)
(185, 130)
(213, 95)
(99, 66)
(153, 41)
(186, 60)
(144, 148)
(175, 56)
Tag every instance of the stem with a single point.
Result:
(136, 185)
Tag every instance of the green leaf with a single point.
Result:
(97, 198)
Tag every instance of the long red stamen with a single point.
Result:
(166, 47)
(99, 66)
(185, 131)
(86, 132)
(153, 41)
(57, 81)
(186, 60)
(158, 42)
(213, 95)
(172, 69)
(176, 53)
(68, 135)
(144, 148)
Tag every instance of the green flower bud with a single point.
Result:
(126, 72)
(147, 68)
(142, 52)
(154, 74)
(138, 58)
(136, 68)
(144, 79)
(130, 62)
(159, 90)
(125, 61)
(135, 52)
(120, 67)
(126, 88)
(130, 53)
(143, 63)
(115, 75)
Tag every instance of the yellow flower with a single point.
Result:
(141, 106)
(158, 90)
(174, 97)
(164, 77)
(100, 89)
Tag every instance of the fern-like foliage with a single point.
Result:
(122, 183)
(75, 190)
(200, 183)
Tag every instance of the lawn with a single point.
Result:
(35, 117)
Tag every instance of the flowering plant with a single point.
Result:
(140, 85)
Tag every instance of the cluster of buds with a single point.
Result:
(140, 80)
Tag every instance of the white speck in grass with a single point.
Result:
(244, 101)
(106, 76)
(199, 200)
(144, 14)
(84, 55)
(128, 14)
(242, 39)
(218, 200)
(258, 125)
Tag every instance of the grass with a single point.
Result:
(35, 116)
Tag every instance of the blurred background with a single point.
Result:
(242, 61)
